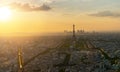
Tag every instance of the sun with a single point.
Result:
(5, 13)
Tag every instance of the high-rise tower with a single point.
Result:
(74, 32)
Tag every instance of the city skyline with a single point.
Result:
(39, 16)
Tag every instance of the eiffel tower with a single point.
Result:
(74, 37)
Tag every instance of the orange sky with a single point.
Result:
(58, 20)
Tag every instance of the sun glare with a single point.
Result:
(5, 13)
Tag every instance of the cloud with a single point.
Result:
(67, 14)
(105, 14)
(29, 7)
(49, 1)
(87, 0)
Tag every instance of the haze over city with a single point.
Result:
(39, 16)
(59, 36)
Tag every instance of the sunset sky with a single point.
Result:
(39, 16)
